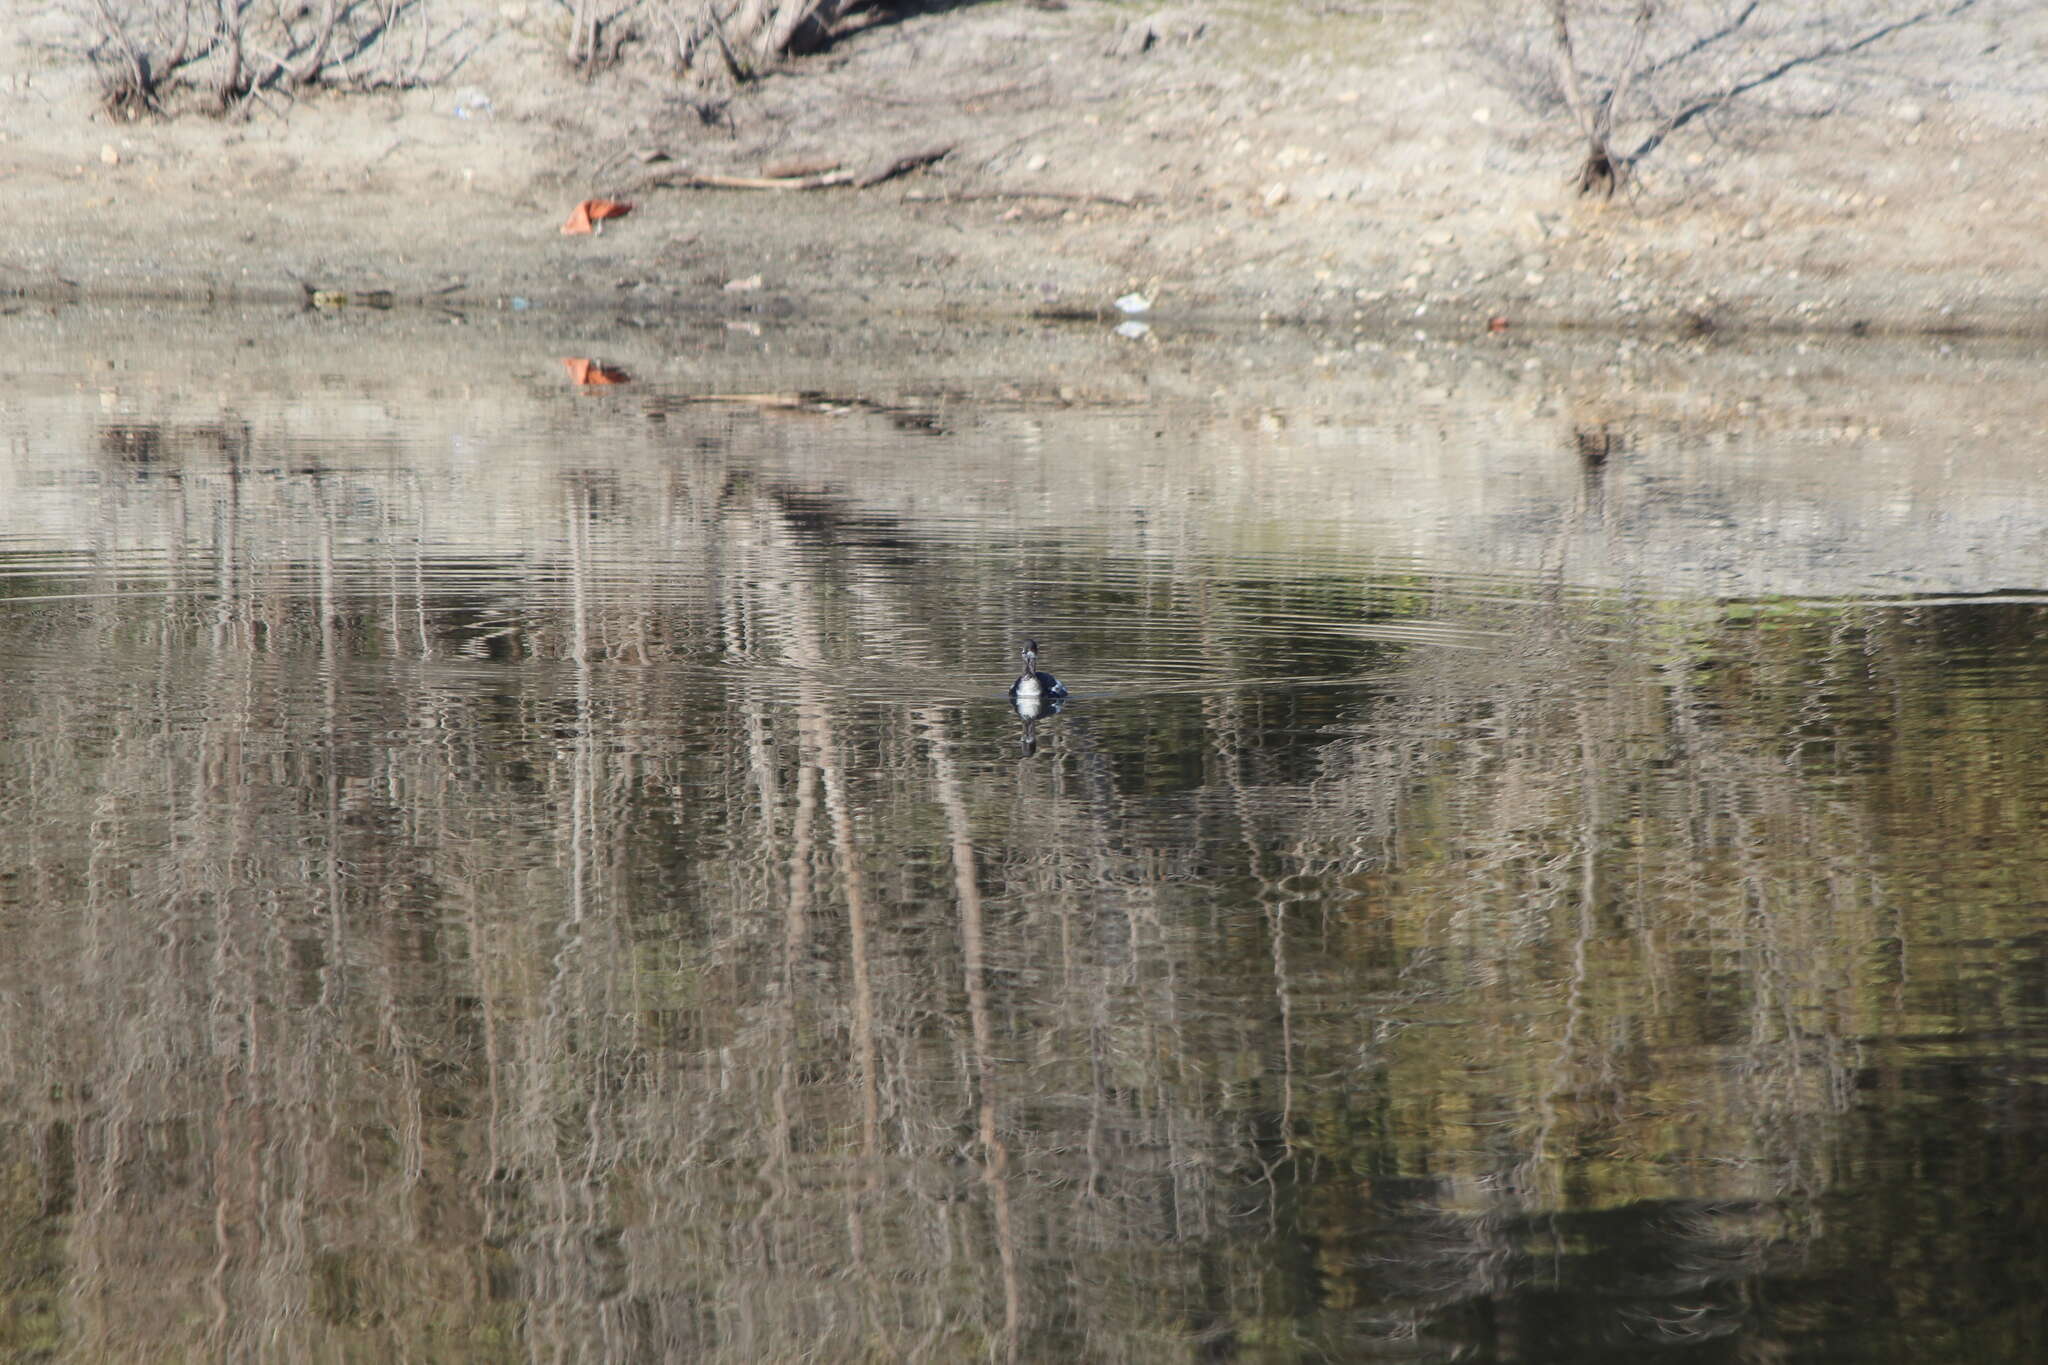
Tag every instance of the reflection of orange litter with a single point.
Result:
(585, 371)
(591, 212)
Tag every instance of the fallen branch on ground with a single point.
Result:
(697, 180)
(1117, 201)
(860, 180)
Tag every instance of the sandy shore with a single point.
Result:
(1335, 169)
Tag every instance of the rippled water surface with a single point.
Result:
(1543, 859)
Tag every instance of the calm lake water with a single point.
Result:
(1543, 859)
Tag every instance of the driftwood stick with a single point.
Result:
(909, 161)
(1119, 201)
(762, 400)
(875, 175)
(710, 180)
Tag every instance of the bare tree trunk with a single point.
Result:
(308, 70)
(231, 81)
(1598, 170)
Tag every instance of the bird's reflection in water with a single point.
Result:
(1029, 710)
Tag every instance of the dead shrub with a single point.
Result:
(736, 40)
(229, 54)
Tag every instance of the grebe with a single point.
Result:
(1034, 683)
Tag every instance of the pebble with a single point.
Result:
(1909, 112)
(1276, 195)
(1038, 163)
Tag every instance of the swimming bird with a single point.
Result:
(1034, 683)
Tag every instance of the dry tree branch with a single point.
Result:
(1598, 170)
(231, 86)
(1702, 74)
(875, 174)
(738, 73)
(1717, 99)
(136, 31)
(1617, 98)
(308, 70)
(738, 39)
(1704, 41)
(598, 31)
(116, 31)
(1568, 67)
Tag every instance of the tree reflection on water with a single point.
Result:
(649, 943)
